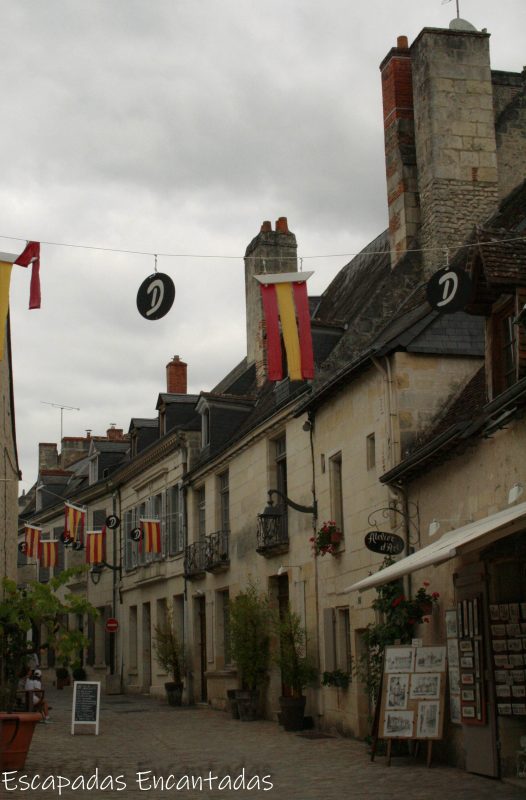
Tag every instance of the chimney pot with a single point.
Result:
(176, 382)
(266, 227)
(402, 43)
(282, 225)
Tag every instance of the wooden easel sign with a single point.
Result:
(413, 695)
(86, 705)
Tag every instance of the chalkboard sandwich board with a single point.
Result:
(86, 704)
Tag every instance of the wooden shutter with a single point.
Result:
(329, 639)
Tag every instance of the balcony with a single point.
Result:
(217, 554)
(272, 535)
(195, 559)
(210, 554)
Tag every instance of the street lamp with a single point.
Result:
(272, 533)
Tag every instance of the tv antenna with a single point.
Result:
(62, 409)
(457, 2)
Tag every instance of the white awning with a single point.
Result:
(478, 533)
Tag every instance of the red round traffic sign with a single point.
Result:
(112, 625)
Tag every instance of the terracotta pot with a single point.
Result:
(16, 732)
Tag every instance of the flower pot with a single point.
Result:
(174, 693)
(232, 702)
(292, 712)
(248, 705)
(16, 732)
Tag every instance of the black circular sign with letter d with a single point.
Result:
(156, 296)
(449, 290)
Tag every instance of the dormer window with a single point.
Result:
(505, 345)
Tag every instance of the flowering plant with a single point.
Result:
(424, 598)
(327, 539)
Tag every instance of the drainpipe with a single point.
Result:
(321, 700)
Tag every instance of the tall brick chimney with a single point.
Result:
(176, 376)
(400, 157)
(273, 252)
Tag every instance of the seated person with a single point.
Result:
(34, 684)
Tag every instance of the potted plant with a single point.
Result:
(169, 651)
(327, 539)
(35, 604)
(79, 673)
(62, 676)
(336, 678)
(297, 668)
(250, 644)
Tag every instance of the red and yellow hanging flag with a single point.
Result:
(75, 522)
(96, 546)
(285, 300)
(48, 553)
(151, 535)
(32, 539)
(31, 255)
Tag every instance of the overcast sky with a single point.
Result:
(178, 126)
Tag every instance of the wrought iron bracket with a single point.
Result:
(313, 509)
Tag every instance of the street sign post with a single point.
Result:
(112, 625)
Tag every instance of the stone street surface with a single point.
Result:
(144, 735)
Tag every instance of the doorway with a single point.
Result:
(146, 647)
(201, 638)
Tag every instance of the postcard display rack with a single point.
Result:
(508, 645)
(471, 662)
(413, 695)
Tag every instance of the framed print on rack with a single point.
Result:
(399, 724)
(397, 691)
(425, 685)
(430, 659)
(428, 718)
(399, 659)
(451, 624)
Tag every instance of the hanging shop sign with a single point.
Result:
(389, 544)
(449, 290)
(136, 535)
(155, 296)
(112, 522)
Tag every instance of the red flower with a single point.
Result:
(396, 602)
(426, 584)
(435, 595)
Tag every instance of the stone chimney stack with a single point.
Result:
(176, 376)
(47, 456)
(400, 158)
(73, 448)
(456, 149)
(440, 145)
(273, 252)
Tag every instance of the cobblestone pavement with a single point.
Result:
(143, 735)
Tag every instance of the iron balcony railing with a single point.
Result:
(272, 535)
(217, 554)
(195, 558)
(210, 554)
